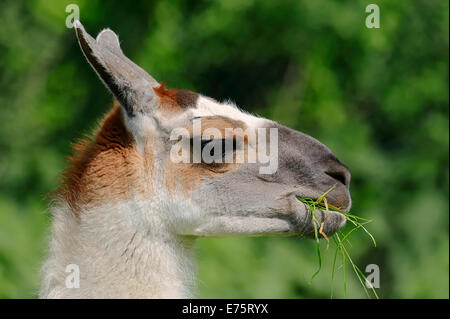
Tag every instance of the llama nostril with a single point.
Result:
(340, 176)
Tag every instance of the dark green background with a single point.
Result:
(377, 97)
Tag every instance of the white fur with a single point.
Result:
(125, 250)
(209, 107)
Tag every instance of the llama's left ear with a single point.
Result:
(130, 84)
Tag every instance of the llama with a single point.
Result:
(127, 215)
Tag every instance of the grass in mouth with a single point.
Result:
(340, 239)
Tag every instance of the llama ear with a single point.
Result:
(130, 84)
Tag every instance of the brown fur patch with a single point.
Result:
(175, 100)
(106, 168)
(189, 176)
(219, 122)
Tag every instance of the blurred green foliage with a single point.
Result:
(377, 97)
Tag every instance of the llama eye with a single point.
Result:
(224, 145)
(215, 148)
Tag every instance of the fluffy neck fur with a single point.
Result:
(119, 255)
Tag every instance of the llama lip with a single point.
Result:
(333, 203)
(333, 207)
(334, 220)
(338, 201)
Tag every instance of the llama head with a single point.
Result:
(203, 161)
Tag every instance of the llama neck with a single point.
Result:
(117, 256)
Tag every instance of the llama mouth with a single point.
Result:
(331, 220)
